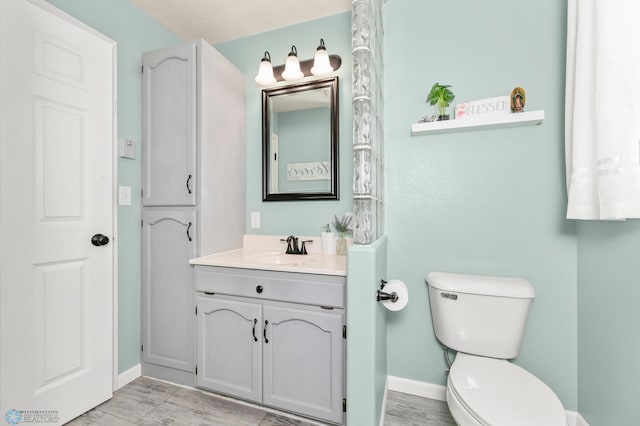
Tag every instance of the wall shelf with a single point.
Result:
(480, 122)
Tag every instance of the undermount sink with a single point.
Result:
(275, 258)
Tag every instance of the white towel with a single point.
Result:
(602, 112)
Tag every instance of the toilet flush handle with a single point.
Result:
(450, 296)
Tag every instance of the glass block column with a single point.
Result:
(367, 37)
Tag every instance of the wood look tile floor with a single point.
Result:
(409, 410)
(147, 401)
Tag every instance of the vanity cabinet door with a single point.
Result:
(169, 127)
(168, 325)
(230, 347)
(303, 361)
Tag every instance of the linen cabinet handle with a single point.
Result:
(188, 187)
(255, 321)
(188, 229)
(266, 323)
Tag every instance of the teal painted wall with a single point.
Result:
(486, 202)
(366, 333)
(135, 32)
(300, 217)
(608, 322)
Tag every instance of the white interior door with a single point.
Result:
(56, 192)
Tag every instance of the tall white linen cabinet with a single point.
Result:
(193, 191)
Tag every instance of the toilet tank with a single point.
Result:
(479, 314)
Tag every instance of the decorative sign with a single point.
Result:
(317, 170)
(497, 105)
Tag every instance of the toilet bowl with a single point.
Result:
(483, 318)
(493, 392)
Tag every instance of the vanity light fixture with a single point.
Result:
(265, 72)
(321, 65)
(292, 66)
(294, 69)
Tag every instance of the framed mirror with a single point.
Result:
(300, 141)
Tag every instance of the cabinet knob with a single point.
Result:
(259, 289)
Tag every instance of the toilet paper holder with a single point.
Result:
(382, 295)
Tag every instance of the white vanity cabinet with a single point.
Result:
(168, 237)
(276, 338)
(193, 191)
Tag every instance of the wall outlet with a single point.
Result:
(255, 219)
(124, 195)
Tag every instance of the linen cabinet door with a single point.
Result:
(303, 361)
(168, 319)
(169, 127)
(229, 352)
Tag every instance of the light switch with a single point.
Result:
(127, 148)
(124, 195)
(255, 219)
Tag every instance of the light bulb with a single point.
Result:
(265, 72)
(292, 66)
(321, 65)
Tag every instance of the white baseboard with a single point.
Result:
(129, 376)
(575, 419)
(439, 393)
(581, 421)
(414, 387)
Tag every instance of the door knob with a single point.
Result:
(99, 240)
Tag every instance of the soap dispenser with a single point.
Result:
(328, 241)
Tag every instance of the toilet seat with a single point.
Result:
(495, 392)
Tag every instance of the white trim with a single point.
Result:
(575, 419)
(115, 239)
(581, 421)
(129, 376)
(383, 410)
(414, 387)
(439, 393)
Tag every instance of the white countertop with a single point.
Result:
(267, 253)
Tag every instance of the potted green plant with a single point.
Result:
(440, 95)
(342, 227)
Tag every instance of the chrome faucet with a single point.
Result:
(292, 245)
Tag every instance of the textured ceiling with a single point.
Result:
(222, 20)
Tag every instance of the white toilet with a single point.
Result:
(483, 318)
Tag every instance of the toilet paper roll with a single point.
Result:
(328, 243)
(400, 289)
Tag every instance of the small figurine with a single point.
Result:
(518, 99)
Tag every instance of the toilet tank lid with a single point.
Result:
(482, 284)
